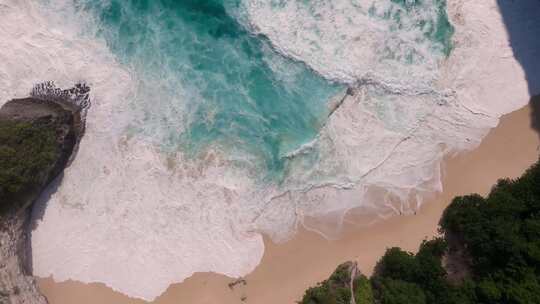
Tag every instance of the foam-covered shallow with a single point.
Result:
(404, 116)
(390, 41)
(138, 217)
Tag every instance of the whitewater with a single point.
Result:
(213, 123)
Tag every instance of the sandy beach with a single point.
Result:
(288, 269)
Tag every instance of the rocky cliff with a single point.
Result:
(38, 137)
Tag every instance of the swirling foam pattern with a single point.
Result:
(215, 121)
(205, 80)
(391, 40)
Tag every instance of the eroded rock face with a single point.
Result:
(37, 139)
(17, 286)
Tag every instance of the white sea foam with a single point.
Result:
(393, 134)
(349, 40)
(138, 219)
(125, 214)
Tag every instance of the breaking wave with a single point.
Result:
(213, 122)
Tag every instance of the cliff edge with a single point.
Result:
(38, 138)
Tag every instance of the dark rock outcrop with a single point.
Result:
(38, 137)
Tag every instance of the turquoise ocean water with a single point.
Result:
(206, 81)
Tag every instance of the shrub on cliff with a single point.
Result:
(335, 290)
(398, 292)
(399, 275)
(363, 292)
(26, 150)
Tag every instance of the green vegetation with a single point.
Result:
(335, 290)
(497, 240)
(502, 236)
(26, 152)
(363, 293)
(402, 277)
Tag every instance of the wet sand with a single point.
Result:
(288, 269)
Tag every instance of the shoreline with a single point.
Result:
(295, 265)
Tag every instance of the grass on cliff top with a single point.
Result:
(26, 151)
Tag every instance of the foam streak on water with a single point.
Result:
(348, 40)
(215, 121)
